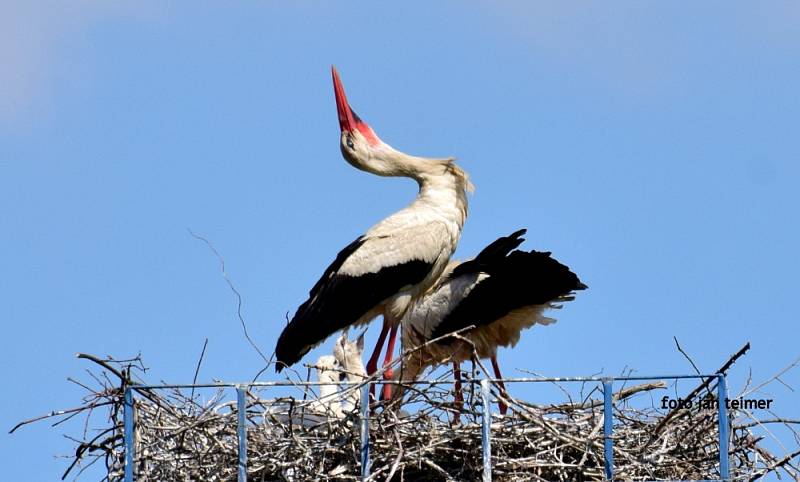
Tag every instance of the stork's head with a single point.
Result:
(360, 146)
(348, 354)
(364, 150)
(328, 369)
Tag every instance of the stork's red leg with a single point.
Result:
(503, 407)
(389, 373)
(459, 397)
(372, 364)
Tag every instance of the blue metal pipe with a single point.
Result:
(127, 416)
(724, 437)
(241, 428)
(486, 428)
(608, 428)
(365, 431)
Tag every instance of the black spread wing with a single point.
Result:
(337, 301)
(516, 279)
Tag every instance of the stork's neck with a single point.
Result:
(355, 369)
(356, 372)
(443, 188)
(442, 184)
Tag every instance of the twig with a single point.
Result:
(785, 460)
(775, 377)
(234, 290)
(697, 370)
(124, 378)
(197, 368)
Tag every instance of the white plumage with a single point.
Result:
(329, 402)
(348, 356)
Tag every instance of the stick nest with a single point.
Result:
(180, 437)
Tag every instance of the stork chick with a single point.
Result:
(328, 373)
(348, 354)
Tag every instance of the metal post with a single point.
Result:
(365, 431)
(127, 416)
(722, 396)
(241, 428)
(608, 428)
(485, 432)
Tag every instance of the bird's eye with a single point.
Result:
(350, 142)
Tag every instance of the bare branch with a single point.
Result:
(696, 370)
(234, 290)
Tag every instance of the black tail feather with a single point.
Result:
(493, 253)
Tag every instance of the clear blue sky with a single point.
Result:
(653, 147)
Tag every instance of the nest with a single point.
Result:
(181, 438)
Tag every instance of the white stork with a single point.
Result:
(382, 271)
(501, 292)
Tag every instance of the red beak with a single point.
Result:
(347, 119)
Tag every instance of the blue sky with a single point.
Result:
(652, 147)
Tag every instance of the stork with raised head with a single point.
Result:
(395, 261)
(501, 292)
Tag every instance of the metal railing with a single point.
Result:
(486, 418)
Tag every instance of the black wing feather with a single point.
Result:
(337, 301)
(515, 280)
(490, 255)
